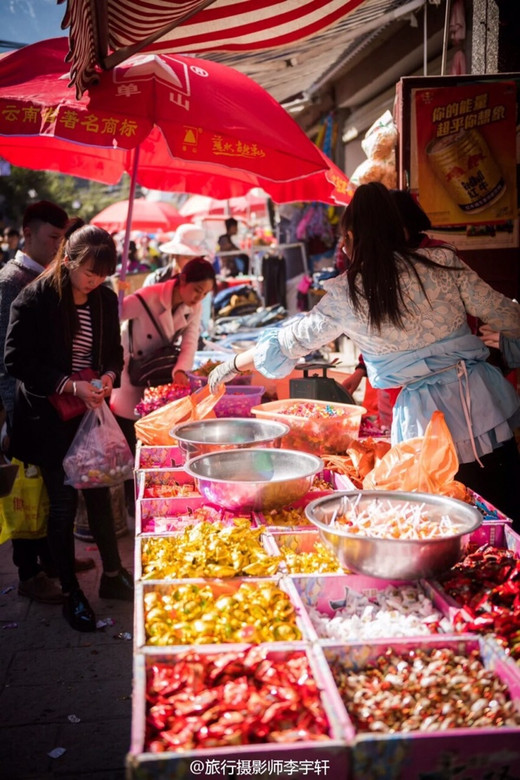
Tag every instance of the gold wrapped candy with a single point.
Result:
(208, 550)
(287, 516)
(318, 561)
(192, 614)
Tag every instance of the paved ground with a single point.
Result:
(63, 689)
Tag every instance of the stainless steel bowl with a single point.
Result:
(254, 479)
(227, 433)
(398, 559)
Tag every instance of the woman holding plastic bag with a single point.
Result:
(406, 309)
(65, 326)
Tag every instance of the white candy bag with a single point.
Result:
(99, 455)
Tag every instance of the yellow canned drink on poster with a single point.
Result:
(463, 159)
(467, 170)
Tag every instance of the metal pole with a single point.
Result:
(425, 40)
(128, 226)
(445, 38)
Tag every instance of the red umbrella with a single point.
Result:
(173, 122)
(147, 215)
(206, 111)
(159, 170)
(161, 107)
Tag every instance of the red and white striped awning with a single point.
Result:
(106, 32)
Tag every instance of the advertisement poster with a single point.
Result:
(465, 150)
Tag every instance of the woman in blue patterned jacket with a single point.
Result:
(406, 310)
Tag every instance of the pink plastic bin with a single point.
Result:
(238, 400)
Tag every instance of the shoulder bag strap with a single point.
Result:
(158, 328)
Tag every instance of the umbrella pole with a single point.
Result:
(126, 243)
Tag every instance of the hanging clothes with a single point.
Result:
(274, 272)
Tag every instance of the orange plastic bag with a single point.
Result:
(155, 427)
(426, 464)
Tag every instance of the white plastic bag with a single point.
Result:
(99, 455)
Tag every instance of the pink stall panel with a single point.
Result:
(274, 519)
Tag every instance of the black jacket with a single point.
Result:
(38, 352)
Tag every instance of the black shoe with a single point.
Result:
(78, 612)
(119, 587)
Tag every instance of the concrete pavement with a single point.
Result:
(63, 689)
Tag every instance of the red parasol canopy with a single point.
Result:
(206, 111)
(166, 120)
(147, 215)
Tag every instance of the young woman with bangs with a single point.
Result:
(65, 321)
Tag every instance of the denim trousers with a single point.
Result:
(63, 501)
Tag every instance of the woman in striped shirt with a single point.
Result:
(64, 321)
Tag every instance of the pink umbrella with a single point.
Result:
(147, 215)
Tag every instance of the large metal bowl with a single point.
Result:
(254, 479)
(227, 433)
(399, 559)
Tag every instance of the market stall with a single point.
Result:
(257, 653)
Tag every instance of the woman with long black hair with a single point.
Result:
(406, 309)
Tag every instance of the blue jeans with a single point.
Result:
(63, 501)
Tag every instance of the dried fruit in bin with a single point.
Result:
(320, 483)
(200, 701)
(191, 614)
(424, 690)
(286, 516)
(209, 550)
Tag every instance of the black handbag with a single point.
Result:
(155, 369)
